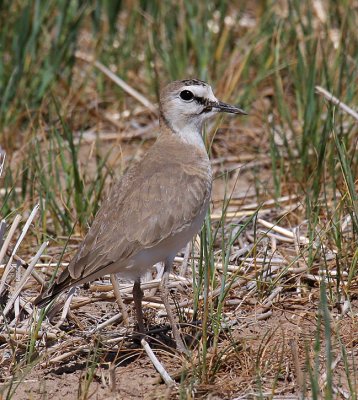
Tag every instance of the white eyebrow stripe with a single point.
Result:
(201, 91)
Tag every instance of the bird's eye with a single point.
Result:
(186, 95)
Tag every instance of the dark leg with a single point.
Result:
(137, 297)
(164, 293)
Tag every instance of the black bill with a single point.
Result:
(223, 107)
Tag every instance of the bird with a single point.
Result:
(158, 205)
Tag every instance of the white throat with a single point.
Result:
(191, 134)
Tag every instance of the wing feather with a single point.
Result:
(142, 210)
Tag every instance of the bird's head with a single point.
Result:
(188, 103)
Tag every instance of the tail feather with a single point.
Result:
(43, 300)
(50, 294)
(63, 282)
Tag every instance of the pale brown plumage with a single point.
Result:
(140, 211)
(158, 205)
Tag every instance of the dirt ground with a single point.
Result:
(278, 347)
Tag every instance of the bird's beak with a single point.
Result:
(228, 108)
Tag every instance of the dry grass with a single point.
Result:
(268, 294)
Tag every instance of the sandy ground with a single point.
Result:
(270, 345)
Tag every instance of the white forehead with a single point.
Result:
(201, 91)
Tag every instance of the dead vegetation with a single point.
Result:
(267, 295)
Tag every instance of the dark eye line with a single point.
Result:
(203, 101)
(208, 104)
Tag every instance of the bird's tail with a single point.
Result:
(43, 300)
(63, 282)
(46, 297)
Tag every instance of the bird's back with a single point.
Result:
(156, 206)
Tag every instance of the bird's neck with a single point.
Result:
(188, 132)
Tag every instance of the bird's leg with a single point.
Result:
(137, 297)
(117, 294)
(164, 293)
